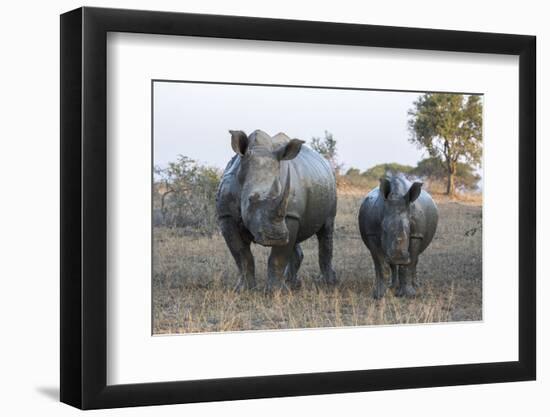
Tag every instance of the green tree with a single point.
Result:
(327, 147)
(435, 168)
(449, 127)
(353, 172)
(378, 171)
(430, 168)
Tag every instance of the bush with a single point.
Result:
(184, 196)
(380, 170)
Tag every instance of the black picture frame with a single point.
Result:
(84, 207)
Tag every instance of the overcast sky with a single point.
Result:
(193, 120)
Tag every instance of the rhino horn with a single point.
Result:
(274, 191)
(282, 201)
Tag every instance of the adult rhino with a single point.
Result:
(397, 221)
(277, 193)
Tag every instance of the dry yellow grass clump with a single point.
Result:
(194, 276)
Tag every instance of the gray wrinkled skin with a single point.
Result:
(277, 193)
(397, 221)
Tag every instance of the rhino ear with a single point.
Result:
(290, 150)
(385, 187)
(239, 141)
(413, 192)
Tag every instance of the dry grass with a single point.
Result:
(194, 276)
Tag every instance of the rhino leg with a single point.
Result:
(415, 282)
(407, 273)
(279, 259)
(406, 288)
(394, 276)
(239, 246)
(382, 271)
(325, 237)
(292, 268)
(381, 267)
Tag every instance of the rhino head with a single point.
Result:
(396, 218)
(264, 200)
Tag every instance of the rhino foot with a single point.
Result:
(292, 280)
(243, 285)
(294, 284)
(379, 290)
(277, 287)
(405, 291)
(329, 278)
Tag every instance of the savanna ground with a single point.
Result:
(194, 277)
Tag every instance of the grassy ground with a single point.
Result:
(194, 276)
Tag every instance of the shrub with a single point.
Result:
(184, 196)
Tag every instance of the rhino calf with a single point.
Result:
(276, 193)
(397, 221)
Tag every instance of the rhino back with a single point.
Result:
(228, 201)
(424, 218)
(370, 214)
(312, 192)
(312, 198)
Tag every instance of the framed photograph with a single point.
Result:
(256, 208)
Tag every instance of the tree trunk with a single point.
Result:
(451, 179)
